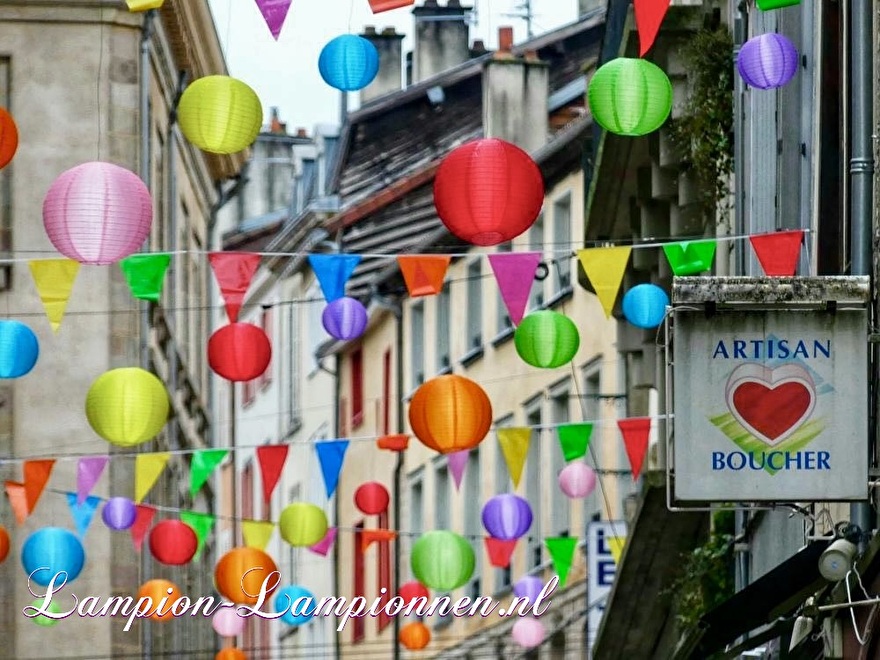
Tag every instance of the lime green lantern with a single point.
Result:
(127, 406)
(42, 619)
(220, 114)
(630, 96)
(442, 560)
(547, 339)
(302, 524)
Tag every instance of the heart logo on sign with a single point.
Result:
(771, 403)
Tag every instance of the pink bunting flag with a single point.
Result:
(274, 12)
(234, 272)
(636, 433)
(515, 274)
(271, 459)
(457, 462)
(323, 546)
(88, 471)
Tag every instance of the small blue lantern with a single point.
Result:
(645, 305)
(292, 601)
(19, 349)
(50, 551)
(349, 63)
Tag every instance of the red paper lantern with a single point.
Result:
(4, 543)
(173, 542)
(415, 636)
(488, 191)
(371, 498)
(409, 591)
(239, 352)
(8, 138)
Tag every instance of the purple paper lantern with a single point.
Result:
(507, 516)
(119, 513)
(528, 587)
(577, 480)
(767, 61)
(345, 318)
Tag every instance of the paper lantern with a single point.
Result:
(546, 339)
(415, 636)
(19, 349)
(345, 318)
(227, 623)
(411, 590)
(42, 619)
(371, 498)
(378, 6)
(450, 413)
(8, 138)
(302, 524)
(442, 560)
(239, 352)
(295, 613)
(507, 516)
(240, 573)
(488, 191)
(143, 5)
(577, 480)
(127, 406)
(768, 5)
(220, 115)
(528, 632)
(348, 62)
(645, 305)
(173, 542)
(97, 213)
(4, 543)
(156, 590)
(52, 550)
(529, 587)
(119, 513)
(767, 61)
(230, 654)
(630, 96)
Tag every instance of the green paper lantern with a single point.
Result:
(546, 339)
(302, 524)
(42, 619)
(630, 96)
(442, 560)
(767, 5)
(690, 258)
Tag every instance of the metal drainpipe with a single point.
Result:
(336, 391)
(398, 470)
(740, 34)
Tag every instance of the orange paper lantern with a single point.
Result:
(450, 413)
(157, 590)
(8, 138)
(4, 543)
(240, 573)
(230, 654)
(415, 636)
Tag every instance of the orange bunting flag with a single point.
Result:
(271, 459)
(142, 521)
(636, 432)
(515, 446)
(17, 500)
(369, 536)
(36, 474)
(500, 551)
(605, 268)
(234, 272)
(54, 280)
(423, 273)
(778, 252)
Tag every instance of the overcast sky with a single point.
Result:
(285, 73)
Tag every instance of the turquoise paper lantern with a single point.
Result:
(295, 613)
(50, 551)
(19, 349)
(546, 339)
(349, 63)
(645, 305)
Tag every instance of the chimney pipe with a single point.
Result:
(442, 38)
(389, 44)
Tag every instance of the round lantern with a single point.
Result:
(348, 63)
(8, 138)
(450, 413)
(415, 636)
(50, 551)
(227, 623)
(97, 213)
(127, 406)
(42, 619)
(767, 61)
(630, 96)
(230, 654)
(4, 543)
(546, 339)
(488, 191)
(371, 498)
(156, 590)
(19, 349)
(577, 480)
(528, 632)
(220, 114)
(302, 524)
(119, 513)
(442, 560)
(173, 542)
(645, 305)
(240, 573)
(507, 516)
(410, 591)
(528, 587)
(345, 318)
(295, 613)
(239, 352)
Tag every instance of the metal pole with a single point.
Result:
(398, 470)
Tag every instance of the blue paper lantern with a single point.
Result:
(349, 63)
(295, 613)
(52, 550)
(645, 305)
(19, 349)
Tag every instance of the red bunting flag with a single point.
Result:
(17, 500)
(369, 536)
(143, 520)
(234, 272)
(778, 252)
(500, 551)
(423, 273)
(636, 432)
(271, 459)
(649, 17)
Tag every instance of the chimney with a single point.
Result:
(390, 47)
(515, 96)
(442, 38)
(276, 125)
(478, 48)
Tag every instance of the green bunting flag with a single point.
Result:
(202, 523)
(145, 274)
(561, 550)
(203, 464)
(690, 257)
(575, 439)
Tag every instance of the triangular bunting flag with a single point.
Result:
(690, 257)
(379, 6)
(82, 512)
(331, 455)
(574, 439)
(636, 432)
(515, 275)
(561, 550)
(456, 462)
(54, 280)
(271, 459)
(323, 546)
(147, 468)
(202, 523)
(649, 17)
(615, 546)
(515, 446)
(333, 271)
(605, 268)
(142, 521)
(274, 12)
(778, 252)
(500, 551)
(145, 274)
(18, 501)
(257, 533)
(423, 273)
(88, 471)
(234, 272)
(370, 536)
(36, 474)
(204, 462)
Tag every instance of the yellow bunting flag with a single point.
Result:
(54, 280)
(257, 533)
(615, 545)
(515, 445)
(147, 468)
(605, 268)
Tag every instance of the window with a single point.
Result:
(559, 414)
(266, 323)
(416, 502)
(317, 335)
(441, 495)
(503, 318)
(592, 390)
(248, 393)
(503, 484)
(386, 392)
(357, 388)
(293, 552)
(561, 243)
(443, 312)
(474, 305)
(343, 417)
(536, 244)
(383, 571)
(473, 502)
(417, 345)
(534, 483)
(293, 366)
(360, 585)
(248, 513)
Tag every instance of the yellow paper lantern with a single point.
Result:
(302, 524)
(143, 5)
(127, 406)
(220, 114)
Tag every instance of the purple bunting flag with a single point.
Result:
(457, 461)
(274, 12)
(88, 471)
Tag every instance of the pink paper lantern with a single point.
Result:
(227, 623)
(528, 632)
(577, 480)
(97, 213)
